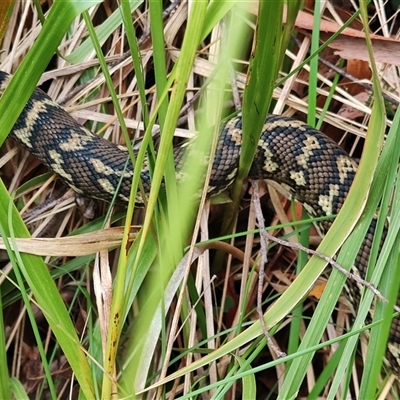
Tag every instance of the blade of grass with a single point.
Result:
(389, 284)
(119, 299)
(180, 213)
(360, 188)
(325, 377)
(160, 68)
(5, 386)
(242, 366)
(262, 73)
(183, 69)
(18, 390)
(248, 381)
(215, 12)
(6, 8)
(103, 32)
(35, 272)
(126, 13)
(377, 345)
(292, 9)
(313, 76)
(303, 238)
(238, 375)
(16, 260)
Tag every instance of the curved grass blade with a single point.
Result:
(34, 270)
(355, 201)
(388, 266)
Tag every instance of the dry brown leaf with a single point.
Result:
(359, 69)
(317, 290)
(352, 113)
(351, 42)
(385, 50)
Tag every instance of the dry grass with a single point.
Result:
(226, 279)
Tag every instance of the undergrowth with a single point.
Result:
(104, 301)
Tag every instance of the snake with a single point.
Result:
(316, 171)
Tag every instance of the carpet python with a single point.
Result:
(314, 169)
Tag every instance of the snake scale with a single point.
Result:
(314, 169)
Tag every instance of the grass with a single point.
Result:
(138, 318)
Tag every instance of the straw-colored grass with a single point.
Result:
(126, 303)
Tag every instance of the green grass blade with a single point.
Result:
(215, 12)
(18, 390)
(389, 284)
(35, 272)
(48, 298)
(248, 382)
(103, 32)
(297, 313)
(182, 71)
(16, 260)
(159, 56)
(313, 78)
(378, 345)
(262, 73)
(292, 9)
(5, 390)
(34, 63)
(135, 53)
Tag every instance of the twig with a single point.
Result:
(297, 246)
(49, 204)
(264, 259)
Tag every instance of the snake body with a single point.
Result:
(314, 169)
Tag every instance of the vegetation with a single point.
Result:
(161, 302)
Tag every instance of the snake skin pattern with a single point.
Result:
(314, 169)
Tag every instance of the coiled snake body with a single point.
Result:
(316, 171)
